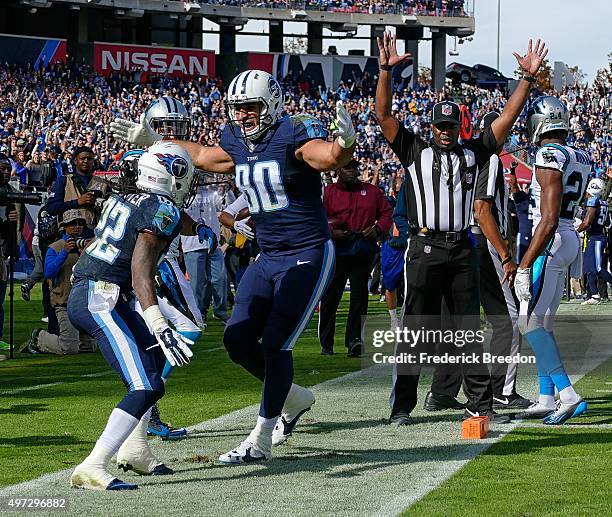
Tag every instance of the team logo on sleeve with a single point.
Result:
(549, 157)
(174, 164)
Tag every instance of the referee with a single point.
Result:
(436, 206)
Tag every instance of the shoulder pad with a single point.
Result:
(313, 126)
(552, 156)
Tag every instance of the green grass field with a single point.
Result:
(533, 470)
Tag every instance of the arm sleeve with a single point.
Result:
(552, 157)
(400, 215)
(593, 201)
(385, 214)
(487, 178)
(405, 145)
(484, 146)
(234, 208)
(56, 204)
(54, 262)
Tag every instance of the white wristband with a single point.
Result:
(155, 319)
(346, 141)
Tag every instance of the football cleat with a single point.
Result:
(536, 410)
(514, 401)
(93, 478)
(564, 412)
(299, 400)
(246, 452)
(494, 418)
(163, 430)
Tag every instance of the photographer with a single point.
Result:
(8, 224)
(59, 261)
(80, 190)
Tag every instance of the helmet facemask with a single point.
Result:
(172, 128)
(264, 120)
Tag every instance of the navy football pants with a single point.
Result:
(126, 344)
(275, 301)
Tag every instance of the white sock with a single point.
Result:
(393, 313)
(263, 430)
(119, 426)
(547, 400)
(138, 437)
(568, 395)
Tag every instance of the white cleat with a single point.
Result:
(536, 410)
(593, 300)
(246, 452)
(95, 478)
(299, 400)
(144, 462)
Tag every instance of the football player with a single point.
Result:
(133, 234)
(594, 223)
(558, 184)
(175, 296)
(277, 160)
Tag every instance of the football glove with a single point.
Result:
(344, 126)
(522, 283)
(243, 228)
(175, 347)
(139, 134)
(206, 234)
(398, 243)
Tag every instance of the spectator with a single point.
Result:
(35, 169)
(61, 257)
(80, 190)
(358, 215)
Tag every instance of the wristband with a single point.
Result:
(530, 78)
(155, 319)
(386, 68)
(504, 262)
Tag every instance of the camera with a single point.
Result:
(98, 194)
(9, 197)
(80, 243)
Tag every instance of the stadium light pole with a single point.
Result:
(498, 30)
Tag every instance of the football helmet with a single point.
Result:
(595, 187)
(169, 118)
(166, 169)
(128, 169)
(255, 86)
(545, 114)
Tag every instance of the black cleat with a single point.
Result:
(400, 417)
(440, 402)
(326, 351)
(355, 349)
(494, 418)
(514, 401)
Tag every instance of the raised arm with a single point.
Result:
(387, 47)
(529, 65)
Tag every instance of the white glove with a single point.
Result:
(344, 126)
(243, 228)
(141, 134)
(175, 347)
(522, 283)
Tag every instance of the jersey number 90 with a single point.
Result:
(262, 185)
(111, 227)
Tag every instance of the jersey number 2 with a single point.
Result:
(262, 185)
(111, 226)
(572, 195)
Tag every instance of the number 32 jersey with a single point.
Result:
(284, 194)
(109, 256)
(575, 166)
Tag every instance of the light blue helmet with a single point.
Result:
(546, 113)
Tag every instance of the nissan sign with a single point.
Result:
(183, 62)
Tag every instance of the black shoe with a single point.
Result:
(440, 402)
(400, 417)
(494, 418)
(355, 349)
(326, 351)
(514, 401)
(31, 347)
(25, 292)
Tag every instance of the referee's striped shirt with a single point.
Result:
(440, 184)
(492, 185)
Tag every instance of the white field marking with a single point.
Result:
(87, 375)
(573, 424)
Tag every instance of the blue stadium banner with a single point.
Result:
(38, 52)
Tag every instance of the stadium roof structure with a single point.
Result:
(238, 15)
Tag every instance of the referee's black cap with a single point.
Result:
(487, 119)
(446, 111)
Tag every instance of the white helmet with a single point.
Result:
(168, 117)
(545, 114)
(250, 87)
(595, 187)
(166, 169)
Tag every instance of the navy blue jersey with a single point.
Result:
(284, 193)
(599, 223)
(109, 256)
(522, 202)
